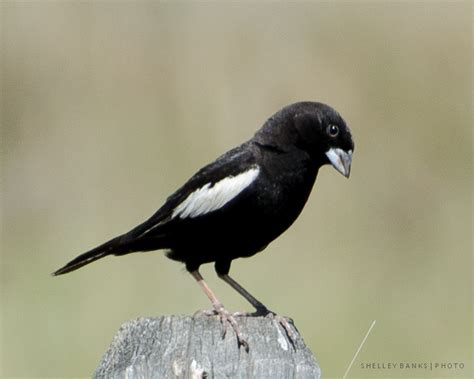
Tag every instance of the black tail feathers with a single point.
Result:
(120, 245)
(114, 246)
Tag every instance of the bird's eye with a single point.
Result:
(333, 130)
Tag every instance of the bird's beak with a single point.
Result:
(340, 160)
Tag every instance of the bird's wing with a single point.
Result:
(206, 191)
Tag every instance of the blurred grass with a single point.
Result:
(108, 107)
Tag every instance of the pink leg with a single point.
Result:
(218, 308)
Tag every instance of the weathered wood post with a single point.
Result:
(193, 347)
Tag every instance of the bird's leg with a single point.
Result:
(218, 308)
(260, 309)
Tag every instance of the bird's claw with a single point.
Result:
(226, 319)
(285, 322)
(206, 312)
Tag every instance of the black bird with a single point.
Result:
(235, 206)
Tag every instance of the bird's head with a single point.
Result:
(315, 128)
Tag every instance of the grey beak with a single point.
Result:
(340, 160)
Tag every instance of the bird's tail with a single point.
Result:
(114, 246)
(120, 245)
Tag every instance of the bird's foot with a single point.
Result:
(285, 322)
(227, 319)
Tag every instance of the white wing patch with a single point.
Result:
(209, 197)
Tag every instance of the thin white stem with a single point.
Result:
(359, 349)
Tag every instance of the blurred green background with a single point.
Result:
(108, 107)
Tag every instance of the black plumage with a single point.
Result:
(235, 206)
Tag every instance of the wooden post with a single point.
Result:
(193, 347)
